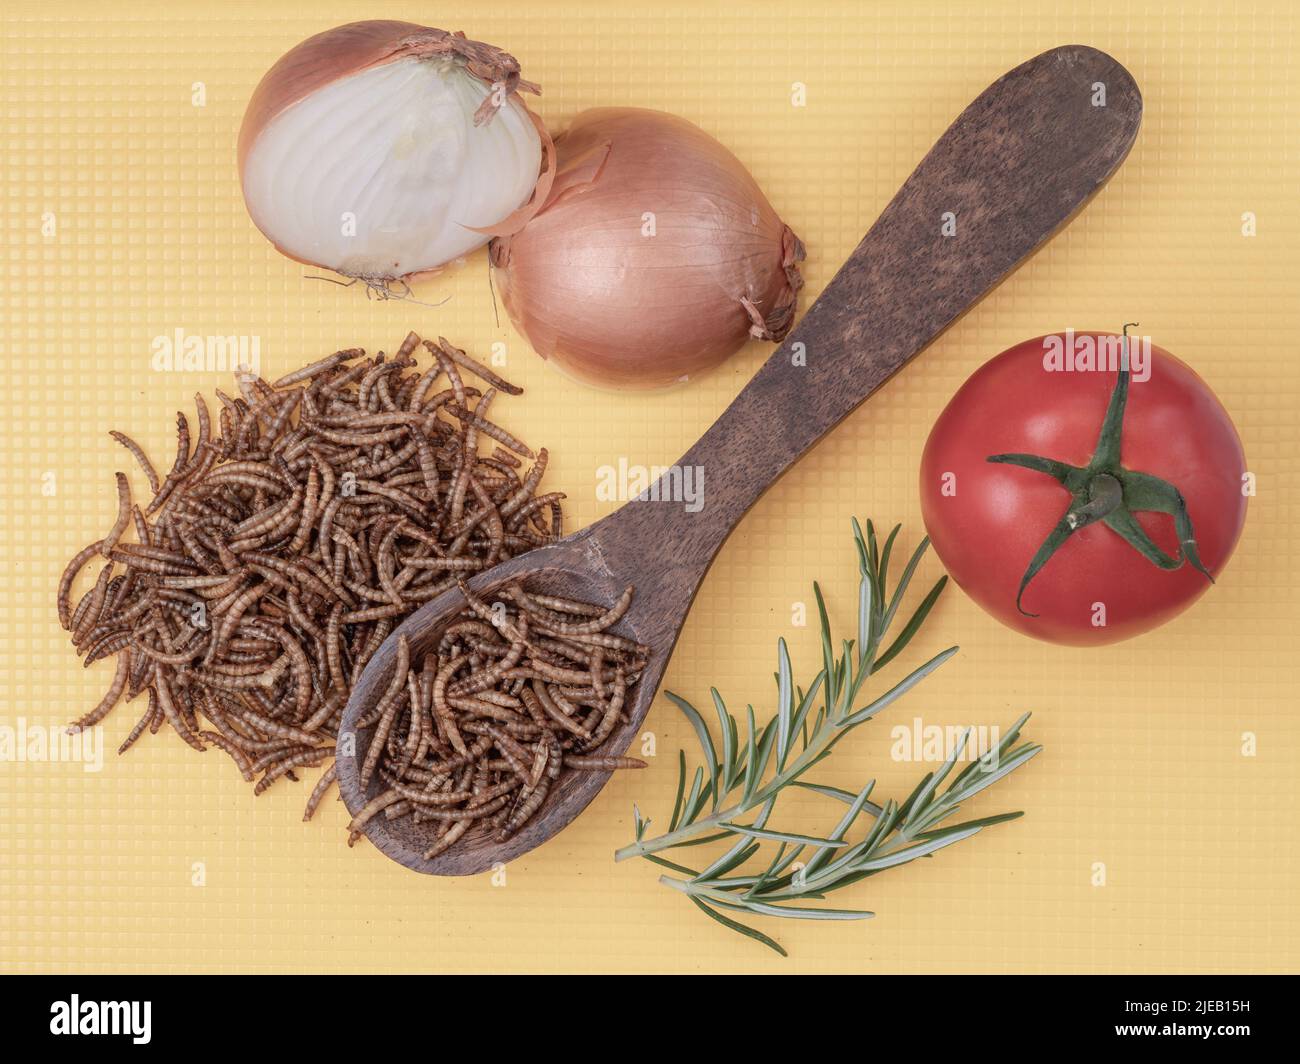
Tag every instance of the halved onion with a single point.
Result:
(385, 149)
(655, 257)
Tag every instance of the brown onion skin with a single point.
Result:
(616, 308)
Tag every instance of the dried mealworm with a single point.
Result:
(109, 700)
(490, 429)
(610, 719)
(389, 704)
(313, 369)
(288, 764)
(318, 792)
(171, 713)
(110, 643)
(232, 751)
(442, 711)
(375, 805)
(69, 576)
(94, 604)
(205, 431)
(447, 840)
(149, 714)
(477, 368)
(542, 698)
(138, 453)
(182, 460)
(123, 515)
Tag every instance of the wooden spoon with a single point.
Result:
(1009, 172)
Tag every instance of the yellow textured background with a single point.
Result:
(1143, 768)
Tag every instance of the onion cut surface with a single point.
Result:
(381, 150)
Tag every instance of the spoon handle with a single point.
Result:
(1011, 170)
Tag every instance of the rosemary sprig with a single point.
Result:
(731, 797)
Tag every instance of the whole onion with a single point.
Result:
(655, 257)
(384, 149)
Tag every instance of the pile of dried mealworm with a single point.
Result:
(276, 555)
(517, 691)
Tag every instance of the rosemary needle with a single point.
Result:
(731, 797)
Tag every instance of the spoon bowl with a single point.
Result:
(1013, 168)
(567, 569)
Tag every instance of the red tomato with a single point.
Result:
(989, 520)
